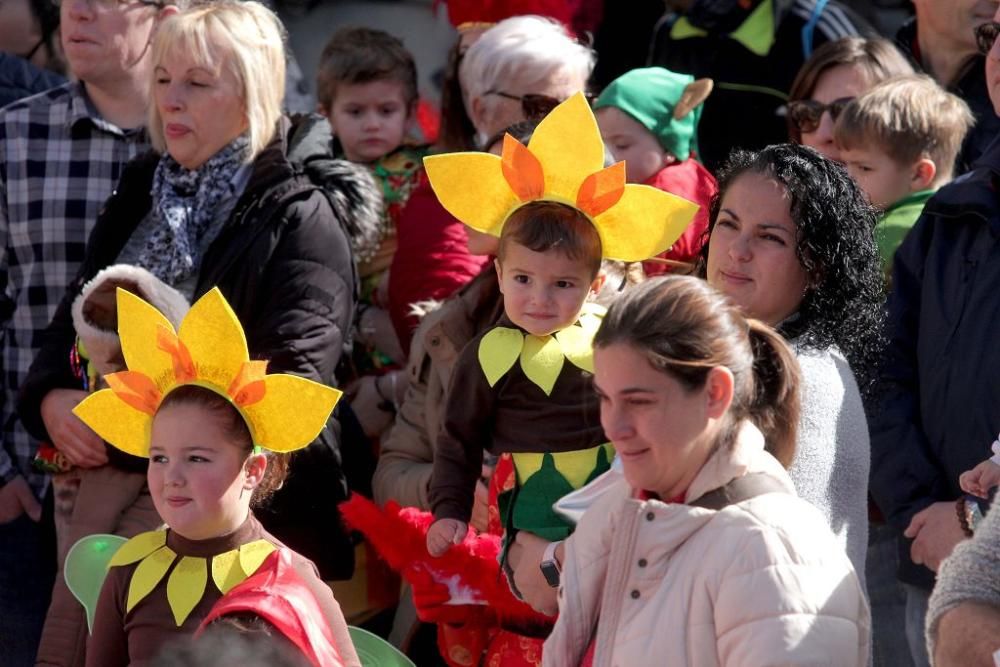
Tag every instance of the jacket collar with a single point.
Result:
(747, 455)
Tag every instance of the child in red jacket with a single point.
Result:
(649, 118)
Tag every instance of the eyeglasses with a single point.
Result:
(986, 35)
(535, 107)
(807, 114)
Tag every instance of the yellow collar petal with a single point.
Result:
(148, 574)
(186, 587)
(542, 361)
(498, 350)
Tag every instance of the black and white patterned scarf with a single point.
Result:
(185, 202)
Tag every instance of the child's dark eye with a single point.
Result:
(158, 458)
(521, 278)
(194, 458)
(563, 284)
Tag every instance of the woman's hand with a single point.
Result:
(525, 559)
(68, 433)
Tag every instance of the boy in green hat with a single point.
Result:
(649, 118)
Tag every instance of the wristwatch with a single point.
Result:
(551, 569)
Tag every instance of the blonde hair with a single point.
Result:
(909, 118)
(246, 37)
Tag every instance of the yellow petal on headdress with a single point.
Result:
(522, 170)
(644, 223)
(186, 586)
(116, 422)
(568, 144)
(226, 570)
(292, 412)
(138, 547)
(542, 361)
(253, 554)
(471, 187)
(213, 335)
(148, 574)
(498, 351)
(601, 190)
(577, 346)
(138, 323)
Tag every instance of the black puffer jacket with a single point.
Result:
(283, 262)
(939, 405)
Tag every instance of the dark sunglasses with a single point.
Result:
(807, 114)
(535, 107)
(986, 35)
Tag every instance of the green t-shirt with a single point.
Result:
(896, 222)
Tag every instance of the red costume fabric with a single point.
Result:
(688, 179)
(432, 259)
(468, 634)
(276, 593)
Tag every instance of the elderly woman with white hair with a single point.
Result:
(223, 201)
(520, 69)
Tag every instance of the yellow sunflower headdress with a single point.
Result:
(563, 162)
(283, 412)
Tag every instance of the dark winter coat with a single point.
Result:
(747, 106)
(939, 406)
(283, 262)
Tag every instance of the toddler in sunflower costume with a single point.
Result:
(523, 387)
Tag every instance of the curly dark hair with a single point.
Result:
(844, 303)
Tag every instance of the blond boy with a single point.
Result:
(899, 142)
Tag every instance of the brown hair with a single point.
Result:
(877, 57)
(457, 133)
(685, 328)
(908, 118)
(236, 432)
(362, 55)
(542, 226)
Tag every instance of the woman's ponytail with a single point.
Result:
(774, 406)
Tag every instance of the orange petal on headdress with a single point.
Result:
(601, 190)
(135, 389)
(522, 170)
(168, 341)
(249, 387)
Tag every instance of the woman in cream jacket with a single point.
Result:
(666, 569)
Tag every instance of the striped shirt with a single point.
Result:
(59, 162)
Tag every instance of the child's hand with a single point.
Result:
(980, 479)
(443, 533)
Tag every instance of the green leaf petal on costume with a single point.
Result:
(533, 503)
(186, 586)
(542, 360)
(578, 347)
(139, 547)
(498, 350)
(148, 574)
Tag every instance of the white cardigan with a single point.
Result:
(759, 583)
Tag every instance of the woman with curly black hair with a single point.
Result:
(791, 242)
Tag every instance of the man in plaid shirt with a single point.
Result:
(61, 154)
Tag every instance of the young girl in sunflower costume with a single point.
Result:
(194, 403)
(523, 387)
